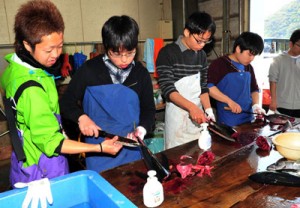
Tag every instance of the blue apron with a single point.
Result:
(235, 85)
(116, 109)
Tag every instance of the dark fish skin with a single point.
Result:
(280, 119)
(276, 178)
(152, 162)
(285, 165)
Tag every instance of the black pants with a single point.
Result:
(293, 113)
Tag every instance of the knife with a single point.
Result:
(123, 140)
(276, 178)
(222, 130)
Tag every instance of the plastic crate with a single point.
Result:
(84, 189)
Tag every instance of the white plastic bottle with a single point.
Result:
(204, 140)
(153, 192)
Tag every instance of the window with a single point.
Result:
(274, 20)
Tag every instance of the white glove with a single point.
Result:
(138, 132)
(38, 190)
(257, 109)
(270, 112)
(210, 114)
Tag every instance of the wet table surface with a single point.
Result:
(228, 185)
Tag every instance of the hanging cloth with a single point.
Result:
(158, 44)
(79, 59)
(148, 54)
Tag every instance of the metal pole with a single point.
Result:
(226, 27)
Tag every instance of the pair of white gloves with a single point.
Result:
(39, 191)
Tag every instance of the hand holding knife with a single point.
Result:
(123, 140)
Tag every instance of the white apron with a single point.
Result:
(179, 128)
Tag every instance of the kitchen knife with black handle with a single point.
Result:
(276, 178)
(222, 130)
(123, 140)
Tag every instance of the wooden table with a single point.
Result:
(228, 186)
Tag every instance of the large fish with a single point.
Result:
(283, 172)
(276, 178)
(285, 165)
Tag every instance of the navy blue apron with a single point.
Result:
(235, 85)
(116, 109)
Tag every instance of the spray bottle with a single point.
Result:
(153, 192)
(204, 140)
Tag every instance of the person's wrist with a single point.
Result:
(81, 117)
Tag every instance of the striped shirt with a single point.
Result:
(176, 61)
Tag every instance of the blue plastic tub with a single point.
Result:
(82, 189)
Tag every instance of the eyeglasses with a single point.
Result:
(201, 41)
(118, 55)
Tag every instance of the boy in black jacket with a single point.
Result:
(115, 91)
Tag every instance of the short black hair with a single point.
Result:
(249, 41)
(120, 32)
(199, 23)
(295, 36)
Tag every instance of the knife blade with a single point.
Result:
(123, 140)
(276, 178)
(222, 130)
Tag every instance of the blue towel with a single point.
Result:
(148, 54)
(79, 59)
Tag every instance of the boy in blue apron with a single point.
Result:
(116, 94)
(182, 68)
(232, 82)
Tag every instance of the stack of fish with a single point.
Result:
(283, 172)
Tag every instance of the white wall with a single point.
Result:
(85, 18)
